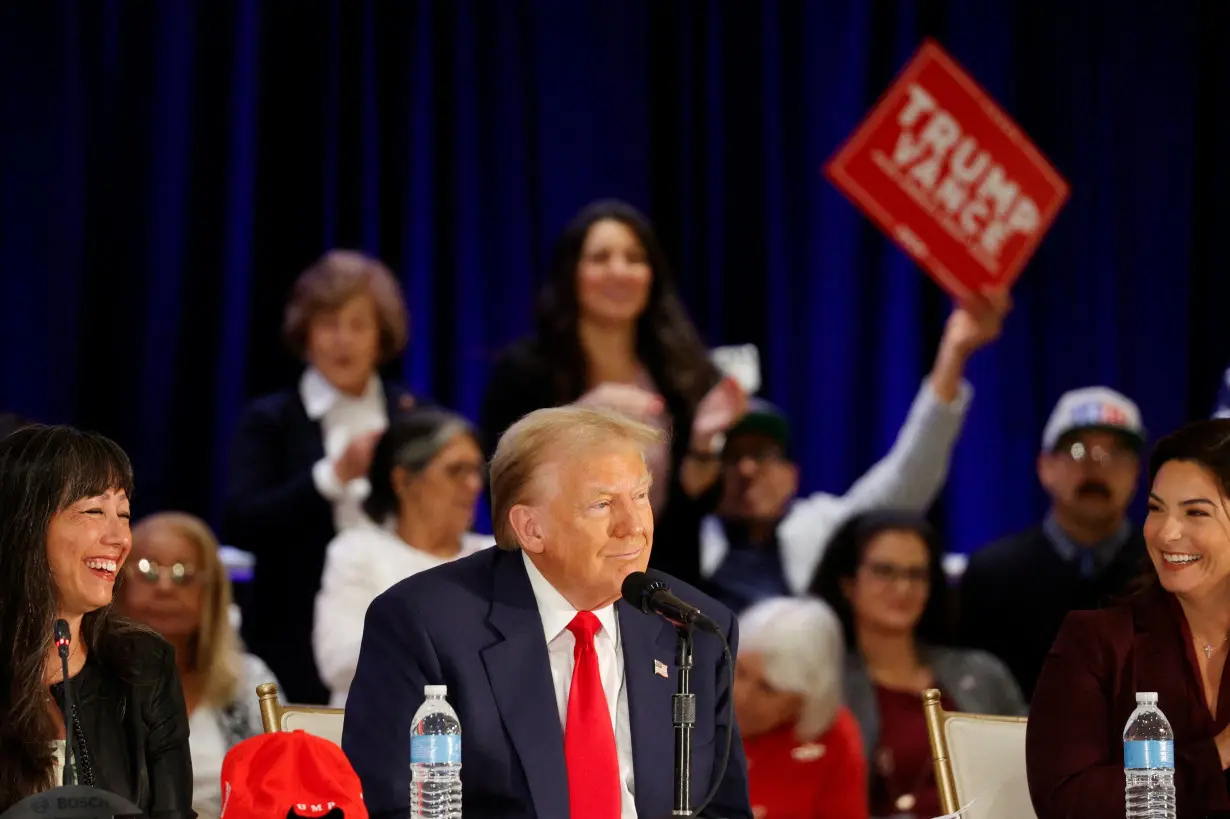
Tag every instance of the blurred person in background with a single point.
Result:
(1222, 410)
(426, 477)
(804, 752)
(882, 575)
(764, 541)
(612, 332)
(1016, 592)
(177, 586)
(300, 457)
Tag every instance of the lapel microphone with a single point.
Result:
(63, 642)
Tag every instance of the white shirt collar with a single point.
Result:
(555, 610)
(319, 396)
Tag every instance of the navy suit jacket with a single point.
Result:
(474, 626)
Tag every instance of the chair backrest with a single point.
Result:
(316, 720)
(979, 762)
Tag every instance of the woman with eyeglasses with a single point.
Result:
(176, 584)
(426, 477)
(65, 539)
(883, 576)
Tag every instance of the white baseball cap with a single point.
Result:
(1094, 408)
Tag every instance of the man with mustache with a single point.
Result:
(1016, 592)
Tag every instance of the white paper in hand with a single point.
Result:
(740, 362)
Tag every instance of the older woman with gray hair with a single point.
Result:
(426, 476)
(804, 750)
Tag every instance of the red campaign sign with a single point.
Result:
(950, 177)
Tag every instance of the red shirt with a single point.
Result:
(903, 779)
(822, 779)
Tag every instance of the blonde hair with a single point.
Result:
(803, 649)
(216, 653)
(543, 435)
(334, 279)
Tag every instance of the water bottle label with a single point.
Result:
(1146, 754)
(435, 749)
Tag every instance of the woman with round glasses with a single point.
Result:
(177, 585)
(882, 575)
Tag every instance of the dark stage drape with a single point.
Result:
(168, 168)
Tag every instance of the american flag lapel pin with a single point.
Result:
(659, 668)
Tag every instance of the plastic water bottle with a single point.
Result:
(1148, 761)
(435, 758)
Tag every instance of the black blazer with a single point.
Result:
(135, 726)
(522, 381)
(273, 510)
(490, 650)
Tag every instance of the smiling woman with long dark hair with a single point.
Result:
(612, 332)
(1171, 637)
(64, 500)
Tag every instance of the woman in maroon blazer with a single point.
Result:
(1170, 637)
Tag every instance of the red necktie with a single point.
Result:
(589, 739)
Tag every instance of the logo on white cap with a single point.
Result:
(1092, 407)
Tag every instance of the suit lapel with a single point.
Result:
(309, 432)
(1165, 663)
(520, 675)
(648, 640)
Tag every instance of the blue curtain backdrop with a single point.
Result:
(168, 168)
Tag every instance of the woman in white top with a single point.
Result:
(426, 476)
(176, 584)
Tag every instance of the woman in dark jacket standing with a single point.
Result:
(299, 461)
(613, 332)
(64, 500)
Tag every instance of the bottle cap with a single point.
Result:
(442, 691)
(1146, 696)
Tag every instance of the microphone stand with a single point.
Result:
(66, 705)
(684, 718)
(71, 801)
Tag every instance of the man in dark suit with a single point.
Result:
(563, 690)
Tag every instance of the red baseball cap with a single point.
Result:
(292, 773)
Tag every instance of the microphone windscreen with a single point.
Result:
(637, 589)
(62, 633)
(634, 587)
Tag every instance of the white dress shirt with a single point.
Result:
(360, 565)
(207, 746)
(556, 614)
(342, 417)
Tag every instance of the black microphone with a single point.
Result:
(63, 640)
(655, 597)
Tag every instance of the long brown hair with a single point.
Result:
(666, 339)
(44, 470)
